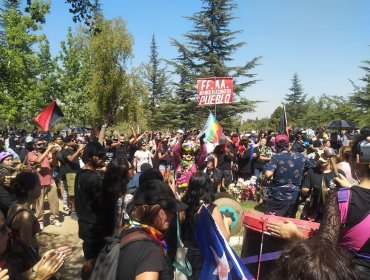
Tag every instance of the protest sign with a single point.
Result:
(217, 90)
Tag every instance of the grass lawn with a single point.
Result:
(248, 204)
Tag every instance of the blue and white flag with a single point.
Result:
(220, 262)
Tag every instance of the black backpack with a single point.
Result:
(106, 264)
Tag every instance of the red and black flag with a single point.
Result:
(283, 123)
(49, 116)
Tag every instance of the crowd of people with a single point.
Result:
(138, 187)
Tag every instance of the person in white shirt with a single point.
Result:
(142, 156)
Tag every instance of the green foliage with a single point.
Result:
(74, 77)
(159, 94)
(23, 69)
(208, 52)
(109, 51)
(360, 98)
(295, 103)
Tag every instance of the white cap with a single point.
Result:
(29, 139)
(180, 131)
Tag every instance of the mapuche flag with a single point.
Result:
(49, 116)
(212, 129)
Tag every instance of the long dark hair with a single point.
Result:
(200, 190)
(114, 185)
(24, 182)
(116, 177)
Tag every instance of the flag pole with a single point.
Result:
(215, 102)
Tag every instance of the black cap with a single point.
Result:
(158, 192)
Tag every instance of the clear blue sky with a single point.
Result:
(324, 41)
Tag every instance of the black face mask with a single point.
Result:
(41, 149)
(122, 142)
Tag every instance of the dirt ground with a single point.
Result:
(54, 237)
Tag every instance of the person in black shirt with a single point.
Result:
(122, 150)
(213, 173)
(89, 205)
(225, 156)
(154, 206)
(316, 183)
(245, 152)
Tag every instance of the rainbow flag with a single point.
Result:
(212, 129)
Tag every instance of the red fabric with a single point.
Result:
(43, 119)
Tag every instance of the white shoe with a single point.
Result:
(56, 223)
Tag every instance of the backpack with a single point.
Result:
(106, 265)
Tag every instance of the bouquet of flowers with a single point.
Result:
(243, 189)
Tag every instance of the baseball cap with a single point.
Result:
(158, 192)
(180, 131)
(29, 139)
(281, 138)
(210, 158)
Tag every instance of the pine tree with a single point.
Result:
(361, 96)
(158, 89)
(155, 75)
(295, 102)
(207, 52)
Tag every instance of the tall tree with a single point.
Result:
(361, 96)
(158, 88)
(110, 50)
(208, 51)
(47, 87)
(74, 76)
(19, 60)
(295, 102)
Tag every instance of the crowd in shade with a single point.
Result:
(145, 192)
